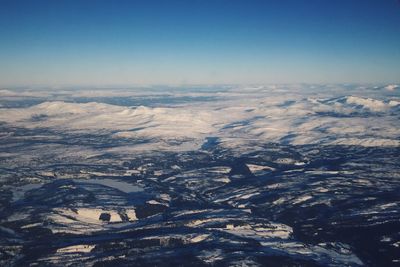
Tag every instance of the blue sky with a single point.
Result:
(56, 43)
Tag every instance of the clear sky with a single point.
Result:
(118, 42)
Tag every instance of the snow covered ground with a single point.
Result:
(295, 175)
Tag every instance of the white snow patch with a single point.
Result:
(302, 199)
(372, 104)
(76, 249)
(199, 238)
(131, 214)
(260, 231)
(259, 169)
(391, 87)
